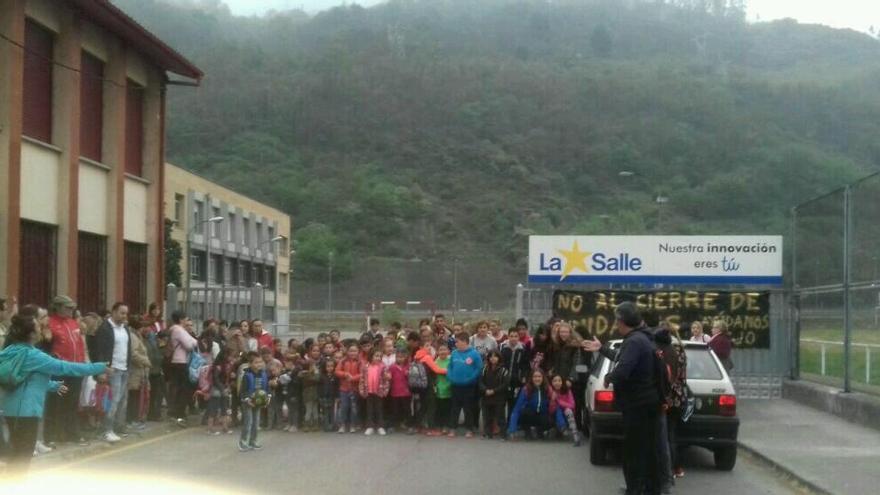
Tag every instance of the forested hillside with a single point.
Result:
(432, 128)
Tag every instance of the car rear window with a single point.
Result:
(701, 365)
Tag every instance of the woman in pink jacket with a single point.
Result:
(562, 408)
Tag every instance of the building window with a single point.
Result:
(134, 129)
(246, 231)
(178, 209)
(212, 270)
(39, 45)
(37, 264)
(256, 274)
(134, 290)
(215, 226)
(91, 116)
(230, 228)
(227, 272)
(283, 282)
(91, 272)
(195, 267)
(283, 247)
(197, 213)
(269, 278)
(242, 275)
(259, 235)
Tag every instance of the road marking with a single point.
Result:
(116, 451)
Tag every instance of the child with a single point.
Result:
(374, 385)
(442, 391)
(516, 361)
(328, 351)
(310, 376)
(253, 381)
(328, 392)
(401, 397)
(388, 353)
(217, 403)
(465, 366)
(562, 408)
(102, 397)
(348, 373)
(291, 391)
(279, 391)
(494, 383)
(532, 408)
(482, 341)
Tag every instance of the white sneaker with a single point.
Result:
(111, 437)
(341, 429)
(41, 448)
(369, 432)
(382, 431)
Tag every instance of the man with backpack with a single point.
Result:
(636, 379)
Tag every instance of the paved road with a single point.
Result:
(329, 464)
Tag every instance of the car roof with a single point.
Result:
(687, 344)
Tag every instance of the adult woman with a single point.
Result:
(139, 372)
(249, 339)
(697, 334)
(721, 343)
(182, 343)
(23, 405)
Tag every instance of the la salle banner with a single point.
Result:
(747, 314)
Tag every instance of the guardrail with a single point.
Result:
(824, 344)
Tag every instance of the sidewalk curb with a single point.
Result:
(785, 470)
(97, 446)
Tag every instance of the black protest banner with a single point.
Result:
(747, 314)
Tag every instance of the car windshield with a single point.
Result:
(701, 365)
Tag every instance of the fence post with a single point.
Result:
(822, 359)
(170, 299)
(795, 310)
(847, 303)
(519, 301)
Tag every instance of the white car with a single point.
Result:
(714, 424)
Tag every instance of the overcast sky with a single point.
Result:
(855, 14)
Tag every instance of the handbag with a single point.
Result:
(87, 393)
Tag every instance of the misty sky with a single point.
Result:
(855, 14)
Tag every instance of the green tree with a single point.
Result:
(173, 256)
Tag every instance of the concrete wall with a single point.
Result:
(856, 407)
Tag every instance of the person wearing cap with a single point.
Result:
(67, 344)
(636, 395)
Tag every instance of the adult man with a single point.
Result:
(375, 331)
(637, 396)
(113, 345)
(264, 338)
(62, 421)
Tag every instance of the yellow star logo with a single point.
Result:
(574, 260)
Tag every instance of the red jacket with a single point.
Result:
(353, 367)
(67, 341)
(266, 340)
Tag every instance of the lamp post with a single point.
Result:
(189, 257)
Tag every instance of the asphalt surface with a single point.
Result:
(330, 463)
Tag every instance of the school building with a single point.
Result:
(235, 251)
(82, 126)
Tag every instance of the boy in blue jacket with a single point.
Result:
(254, 379)
(465, 366)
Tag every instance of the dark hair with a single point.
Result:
(330, 361)
(21, 329)
(522, 323)
(402, 352)
(564, 388)
(530, 387)
(290, 342)
(374, 321)
(117, 305)
(651, 318)
(494, 352)
(152, 306)
(253, 355)
(439, 315)
(2, 304)
(413, 337)
(224, 323)
(463, 336)
(396, 325)
(323, 335)
(30, 310)
(135, 321)
(178, 316)
(628, 313)
(256, 320)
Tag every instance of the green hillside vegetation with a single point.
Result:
(458, 127)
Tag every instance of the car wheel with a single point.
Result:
(725, 459)
(598, 454)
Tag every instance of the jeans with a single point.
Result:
(310, 418)
(249, 422)
(664, 460)
(118, 401)
(463, 399)
(275, 412)
(347, 409)
(328, 415)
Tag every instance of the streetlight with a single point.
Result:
(207, 258)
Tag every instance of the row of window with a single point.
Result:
(231, 226)
(37, 283)
(37, 100)
(233, 272)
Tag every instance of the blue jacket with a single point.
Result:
(460, 372)
(249, 383)
(28, 398)
(538, 403)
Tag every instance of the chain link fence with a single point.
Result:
(835, 273)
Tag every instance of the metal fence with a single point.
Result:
(758, 373)
(835, 280)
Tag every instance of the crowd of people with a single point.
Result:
(104, 375)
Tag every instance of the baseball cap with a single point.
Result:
(63, 301)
